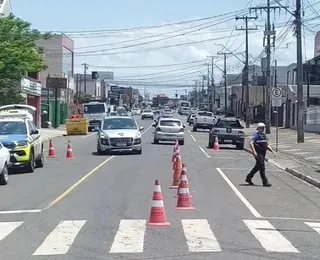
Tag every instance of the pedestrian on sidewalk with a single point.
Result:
(259, 146)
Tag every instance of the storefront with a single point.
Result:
(31, 90)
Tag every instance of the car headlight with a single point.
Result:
(102, 135)
(137, 141)
(22, 143)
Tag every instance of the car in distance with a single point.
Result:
(4, 164)
(228, 130)
(168, 129)
(190, 118)
(119, 134)
(135, 111)
(203, 120)
(147, 113)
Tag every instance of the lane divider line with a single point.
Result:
(194, 139)
(75, 185)
(4, 212)
(204, 152)
(239, 194)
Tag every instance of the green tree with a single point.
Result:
(19, 53)
(81, 97)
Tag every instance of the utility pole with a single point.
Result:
(213, 88)
(208, 83)
(268, 34)
(246, 68)
(225, 80)
(85, 67)
(300, 114)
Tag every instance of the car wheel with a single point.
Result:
(142, 118)
(240, 146)
(194, 129)
(4, 175)
(210, 144)
(40, 162)
(31, 164)
(99, 152)
(155, 141)
(181, 142)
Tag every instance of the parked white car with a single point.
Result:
(4, 164)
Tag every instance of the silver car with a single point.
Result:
(169, 129)
(119, 133)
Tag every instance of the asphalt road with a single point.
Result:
(95, 207)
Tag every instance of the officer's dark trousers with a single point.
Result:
(260, 166)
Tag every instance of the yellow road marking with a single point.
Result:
(75, 185)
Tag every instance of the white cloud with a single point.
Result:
(99, 59)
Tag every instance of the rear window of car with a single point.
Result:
(205, 114)
(170, 123)
(228, 124)
(167, 110)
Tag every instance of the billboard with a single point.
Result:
(106, 75)
(317, 45)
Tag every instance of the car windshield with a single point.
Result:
(94, 109)
(13, 128)
(167, 111)
(170, 123)
(228, 124)
(119, 123)
(205, 113)
(147, 111)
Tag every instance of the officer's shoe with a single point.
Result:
(267, 184)
(249, 181)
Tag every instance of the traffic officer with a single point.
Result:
(259, 146)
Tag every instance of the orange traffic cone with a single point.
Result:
(176, 154)
(157, 212)
(184, 178)
(216, 145)
(69, 151)
(52, 153)
(174, 151)
(176, 173)
(184, 198)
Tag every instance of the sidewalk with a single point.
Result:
(301, 160)
(50, 133)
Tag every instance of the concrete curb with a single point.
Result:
(293, 172)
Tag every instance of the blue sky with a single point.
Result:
(105, 14)
(58, 15)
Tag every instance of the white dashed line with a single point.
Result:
(204, 152)
(194, 139)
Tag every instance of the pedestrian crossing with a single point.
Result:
(199, 236)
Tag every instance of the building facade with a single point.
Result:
(5, 7)
(59, 59)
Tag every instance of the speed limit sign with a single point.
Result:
(276, 97)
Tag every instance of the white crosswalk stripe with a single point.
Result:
(61, 238)
(199, 235)
(130, 238)
(269, 237)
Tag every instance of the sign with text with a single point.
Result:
(276, 97)
(56, 82)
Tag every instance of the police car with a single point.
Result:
(21, 137)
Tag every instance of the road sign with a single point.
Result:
(276, 97)
(56, 82)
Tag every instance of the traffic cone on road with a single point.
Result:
(184, 198)
(69, 154)
(176, 154)
(216, 145)
(176, 173)
(184, 178)
(52, 153)
(176, 144)
(157, 212)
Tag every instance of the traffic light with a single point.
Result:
(94, 75)
(176, 95)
